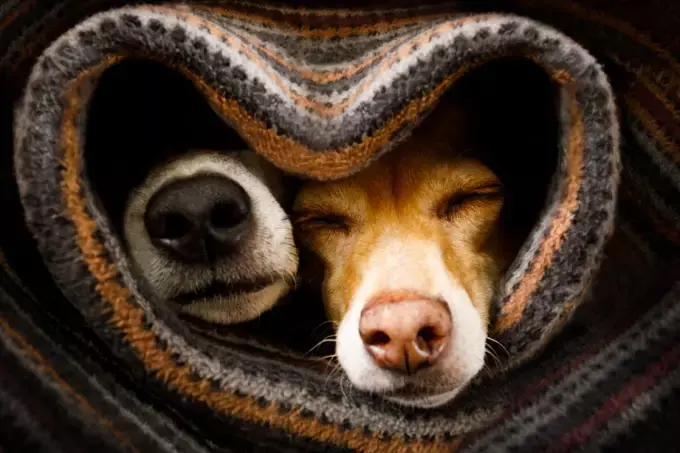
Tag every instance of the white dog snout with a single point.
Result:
(208, 233)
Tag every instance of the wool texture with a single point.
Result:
(588, 319)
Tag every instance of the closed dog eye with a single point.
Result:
(454, 204)
(321, 220)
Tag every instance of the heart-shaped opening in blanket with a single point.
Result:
(142, 115)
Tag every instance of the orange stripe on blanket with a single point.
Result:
(24, 6)
(47, 369)
(330, 32)
(655, 90)
(292, 156)
(325, 77)
(668, 147)
(318, 108)
(606, 19)
(561, 222)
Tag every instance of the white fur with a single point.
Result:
(269, 253)
(397, 264)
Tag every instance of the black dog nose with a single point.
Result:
(199, 218)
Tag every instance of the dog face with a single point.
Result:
(207, 232)
(413, 252)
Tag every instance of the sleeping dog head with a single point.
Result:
(207, 232)
(413, 250)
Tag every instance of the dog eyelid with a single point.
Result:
(454, 201)
(325, 220)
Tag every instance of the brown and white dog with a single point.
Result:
(413, 251)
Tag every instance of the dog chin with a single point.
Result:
(418, 398)
(424, 402)
(236, 307)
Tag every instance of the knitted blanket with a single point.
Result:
(589, 315)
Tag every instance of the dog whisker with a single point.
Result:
(342, 389)
(490, 338)
(494, 356)
(331, 322)
(333, 371)
(319, 344)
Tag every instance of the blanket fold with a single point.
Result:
(277, 76)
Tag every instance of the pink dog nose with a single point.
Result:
(405, 334)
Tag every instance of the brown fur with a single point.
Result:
(406, 192)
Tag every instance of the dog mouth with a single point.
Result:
(222, 290)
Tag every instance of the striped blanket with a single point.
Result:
(589, 315)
